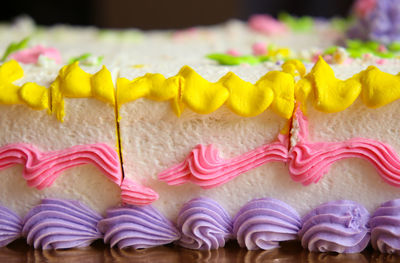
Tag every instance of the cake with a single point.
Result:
(199, 136)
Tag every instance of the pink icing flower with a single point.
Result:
(267, 25)
(259, 49)
(315, 57)
(380, 61)
(363, 7)
(31, 55)
(233, 52)
(382, 48)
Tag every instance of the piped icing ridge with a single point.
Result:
(188, 88)
(57, 224)
(204, 224)
(309, 161)
(30, 94)
(41, 169)
(338, 226)
(136, 194)
(207, 169)
(385, 227)
(263, 223)
(137, 227)
(277, 89)
(73, 82)
(10, 226)
(330, 94)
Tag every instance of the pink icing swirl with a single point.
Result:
(308, 162)
(43, 168)
(363, 8)
(267, 25)
(31, 55)
(207, 169)
(135, 194)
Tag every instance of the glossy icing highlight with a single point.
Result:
(204, 224)
(73, 82)
(385, 227)
(10, 226)
(41, 169)
(59, 224)
(207, 169)
(263, 223)
(189, 89)
(309, 161)
(338, 226)
(30, 94)
(137, 227)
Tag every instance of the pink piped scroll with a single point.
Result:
(207, 169)
(41, 169)
(308, 162)
(135, 194)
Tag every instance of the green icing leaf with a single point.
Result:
(330, 50)
(357, 49)
(87, 59)
(15, 46)
(304, 23)
(229, 60)
(341, 24)
(79, 58)
(372, 45)
(394, 47)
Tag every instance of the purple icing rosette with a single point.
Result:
(263, 223)
(58, 224)
(204, 225)
(10, 226)
(381, 23)
(385, 227)
(137, 227)
(339, 226)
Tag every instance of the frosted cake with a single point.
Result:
(195, 137)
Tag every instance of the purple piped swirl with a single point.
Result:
(10, 226)
(58, 224)
(137, 227)
(263, 223)
(339, 226)
(385, 227)
(381, 24)
(204, 225)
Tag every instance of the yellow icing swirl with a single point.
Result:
(73, 82)
(278, 90)
(190, 89)
(329, 94)
(30, 94)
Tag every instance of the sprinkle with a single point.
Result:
(138, 66)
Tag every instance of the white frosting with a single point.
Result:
(153, 138)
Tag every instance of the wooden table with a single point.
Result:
(18, 251)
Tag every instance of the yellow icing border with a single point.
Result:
(276, 89)
(187, 88)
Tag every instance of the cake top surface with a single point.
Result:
(223, 58)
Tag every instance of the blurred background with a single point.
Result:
(162, 14)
